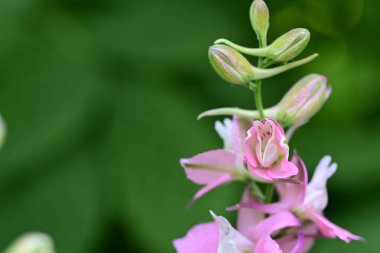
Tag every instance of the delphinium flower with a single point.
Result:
(254, 233)
(256, 152)
(267, 151)
(306, 200)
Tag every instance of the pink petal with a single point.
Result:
(248, 217)
(329, 229)
(292, 194)
(309, 240)
(274, 223)
(292, 244)
(281, 139)
(284, 170)
(267, 245)
(250, 148)
(209, 167)
(222, 180)
(260, 172)
(266, 208)
(239, 133)
(201, 238)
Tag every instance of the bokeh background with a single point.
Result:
(100, 99)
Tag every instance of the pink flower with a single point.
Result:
(307, 200)
(216, 167)
(253, 234)
(266, 151)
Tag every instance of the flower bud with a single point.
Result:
(288, 45)
(230, 64)
(32, 243)
(259, 15)
(2, 131)
(303, 100)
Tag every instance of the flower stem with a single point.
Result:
(256, 191)
(258, 99)
(269, 193)
(257, 89)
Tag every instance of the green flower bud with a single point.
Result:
(259, 15)
(32, 243)
(303, 100)
(288, 45)
(230, 64)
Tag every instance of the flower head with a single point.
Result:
(221, 237)
(308, 201)
(267, 152)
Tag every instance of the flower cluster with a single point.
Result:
(256, 152)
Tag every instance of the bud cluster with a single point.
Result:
(236, 69)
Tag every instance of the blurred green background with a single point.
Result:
(101, 97)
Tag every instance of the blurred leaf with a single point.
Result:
(63, 204)
(143, 169)
(333, 17)
(44, 100)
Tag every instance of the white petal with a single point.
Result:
(231, 241)
(316, 191)
(224, 130)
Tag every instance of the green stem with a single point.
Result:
(245, 50)
(258, 99)
(256, 191)
(269, 193)
(242, 113)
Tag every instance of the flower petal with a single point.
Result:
(201, 238)
(274, 223)
(222, 180)
(248, 217)
(292, 194)
(292, 244)
(224, 130)
(329, 229)
(209, 167)
(316, 196)
(231, 241)
(240, 127)
(267, 245)
(250, 148)
(284, 170)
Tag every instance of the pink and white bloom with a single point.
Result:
(308, 201)
(216, 167)
(220, 237)
(266, 151)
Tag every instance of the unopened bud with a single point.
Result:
(259, 15)
(288, 45)
(32, 243)
(230, 64)
(2, 131)
(303, 100)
